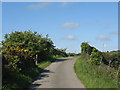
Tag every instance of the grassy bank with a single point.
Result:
(44, 64)
(20, 80)
(93, 77)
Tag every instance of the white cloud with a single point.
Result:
(70, 25)
(115, 32)
(63, 4)
(70, 37)
(103, 38)
(39, 5)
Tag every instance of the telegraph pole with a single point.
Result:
(103, 47)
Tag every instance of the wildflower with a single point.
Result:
(25, 50)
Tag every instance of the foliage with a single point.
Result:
(20, 80)
(96, 57)
(19, 49)
(107, 61)
(23, 51)
(60, 52)
(71, 54)
(109, 58)
(92, 76)
(113, 58)
(91, 53)
(86, 48)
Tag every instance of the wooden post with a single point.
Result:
(109, 65)
(36, 59)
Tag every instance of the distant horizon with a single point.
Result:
(67, 24)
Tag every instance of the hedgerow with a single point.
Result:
(22, 51)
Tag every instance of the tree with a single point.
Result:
(20, 49)
(86, 48)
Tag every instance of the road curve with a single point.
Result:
(60, 74)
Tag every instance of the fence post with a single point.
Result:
(36, 59)
(118, 76)
(109, 65)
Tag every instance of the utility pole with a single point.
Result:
(75, 52)
(103, 47)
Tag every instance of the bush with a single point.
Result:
(21, 51)
(96, 57)
(86, 48)
(113, 58)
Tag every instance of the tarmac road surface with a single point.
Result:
(59, 74)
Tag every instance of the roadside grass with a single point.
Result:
(44, 64)
(58, 57)
(20, 80)
(92, 77)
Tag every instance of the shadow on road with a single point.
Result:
(34, 85)
(47, 71)
(44, 74)
(60, 60)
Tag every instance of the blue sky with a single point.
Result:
(67, 24)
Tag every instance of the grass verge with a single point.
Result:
(43, 65)
(92, 77)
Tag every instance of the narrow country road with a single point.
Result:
(60, 74)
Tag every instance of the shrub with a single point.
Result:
(96, 57)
